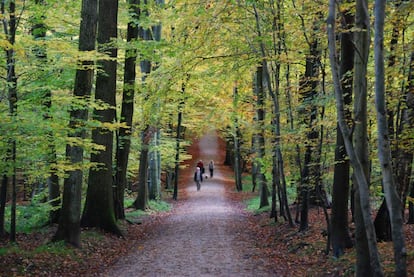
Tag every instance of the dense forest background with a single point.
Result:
(314, 99)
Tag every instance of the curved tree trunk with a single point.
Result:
(374, 265)
(384, 149)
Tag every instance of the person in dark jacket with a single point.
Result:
(201, 166)
(198, 177)
(211, 168)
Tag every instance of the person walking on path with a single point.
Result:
(211, 168)
(201, 166)
(198, 177)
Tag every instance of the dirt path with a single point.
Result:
(205, 235)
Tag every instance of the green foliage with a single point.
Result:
(159, 206)
(254, 202)
(154, 207)
(30, 217)
(247, 182)
(55, 248)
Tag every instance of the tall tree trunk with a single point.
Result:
(127, 112)
(155, 155)
(382, 220)
(10, 26)
(374, 267)
(362, 42)
(69, 221)
(384, 149)
(408, 122)
(141, 202)
(236, 139)
(3, 201)
(99, 205)
(39, 33)
(310, 166)
(177, 148)
(260, 139)
(340, 237)
(146, 67)
(179, 136)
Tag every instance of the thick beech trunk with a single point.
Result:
(99, 205)
(69, 222)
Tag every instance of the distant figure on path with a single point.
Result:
(211, 168)
(201, 166)
(198, 177)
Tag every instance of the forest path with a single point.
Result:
(205, 234)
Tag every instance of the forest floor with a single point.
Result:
(206, 233)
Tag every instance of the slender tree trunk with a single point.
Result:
(3, 201)
(146, 67)
(177, 149)
(236, 138)
(141, 202)
(260, 140)
(310, 166)
(39, 33)
(384, 149)
(10, 27)
(127, 112)
(179, 137)
(69, 222)
(362, 41)
(99, 205)
(408, 122)
(340, 236)
(374, 267)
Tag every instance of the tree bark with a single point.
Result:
(69, 222)
(99, 205)
(374, 267)
(384, 149)
(408, 122)
(39, 33)
(236, 139)
(340, 236)
(10, 27)
(127, 112)
(260, 140)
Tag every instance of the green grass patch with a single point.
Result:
(247, 183)
(154, 207)
(29, 217)
(254, 203)
(159, 206)
(55, 248)
(9, 249)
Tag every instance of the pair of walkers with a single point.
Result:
(198, 174)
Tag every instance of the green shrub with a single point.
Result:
(29, 217)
